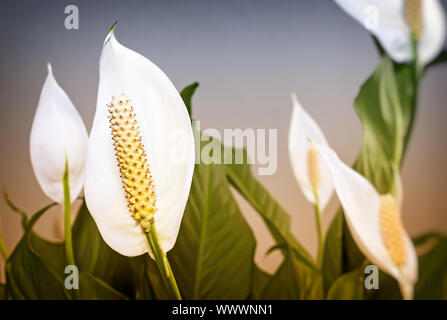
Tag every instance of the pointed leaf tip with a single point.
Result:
(111, 31)
(113, 26)
(187, 94)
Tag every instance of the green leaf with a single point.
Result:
(93, 288)
(187, 94)
(93, 255)
(213, 255)
(259, 281)
(52, 253)
(423, 239)
(432, 283)
(379, 47)
(148, 280)
(142, 285)
(152, 273)
(14, 208)
(407, 77)
(275, 217)
(333, 255)
(384, 119)
(388, 289)
(294, 280)
(12, 291)
(2, 291)
(36, 261)
(348, 287)
(352, 256)
(27, 271)
(87, 241)
(386, 107)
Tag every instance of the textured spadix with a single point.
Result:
(374, 222)
(57, 132)
(392, 22)
(310, 172)
(141, 152)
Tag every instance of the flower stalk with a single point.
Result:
(416, 72)
(312, 175)
(67, 220)
(313, 167)
(163, 263)
(319, 222)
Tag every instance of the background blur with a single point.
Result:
(248, 55)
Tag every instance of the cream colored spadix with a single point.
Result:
(141, 152)
(57, 132)
(375, 223)
(393, 21)
(310, 172)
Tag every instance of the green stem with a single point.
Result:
(415, 78)
(163, 263)
(319, 221)
(67, 221)
(3, 250)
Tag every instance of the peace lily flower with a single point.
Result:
(311, 173)
(135, 183)
(58, 134)
(394, 22)
(375, 223)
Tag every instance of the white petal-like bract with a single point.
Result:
(167, 139)
(386, 20)
(361, 204)
(303, 134)
(57, 133)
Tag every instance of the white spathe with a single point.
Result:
(361, 205)
(58, 132)
(166, 133)
(385, 19)
(303, 134)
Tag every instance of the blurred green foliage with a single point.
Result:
(214, 254)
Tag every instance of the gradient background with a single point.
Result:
(248, 55)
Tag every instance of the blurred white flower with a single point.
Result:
(132, 177)
(375, 223)
(311, 174)
(393, 21)
(58, 133)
